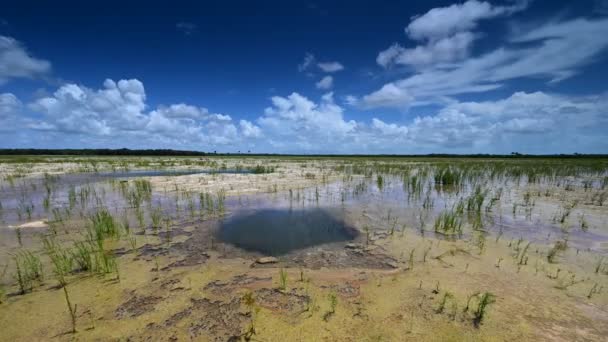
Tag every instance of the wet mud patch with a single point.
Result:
(244, 279)
(284, 302)
(172, 285)
(338, 256)
(186, 253)
(189, 260)
(152, 250)
(195, 249)
(216, 287)
(446, 259)
(137, 306)
(347, 290)
(172, 233)
(215, 320)
(358, 257)
(219, 287)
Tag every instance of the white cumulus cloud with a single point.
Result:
(330, 66)
(10, 112)
(325, 83)
(9, 104)
(445, 34)
(16, 62)
(249, 129)
(527, 122)
(576, 41)
(444, 21)
(119, 111)
(309, 59)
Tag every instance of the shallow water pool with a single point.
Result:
(279, 231)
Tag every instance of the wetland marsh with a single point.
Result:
(303, 248)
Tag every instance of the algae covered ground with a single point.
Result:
(303, 249)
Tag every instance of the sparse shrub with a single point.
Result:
(447, 177)
(156, 217)
(82, 255)
(2, 290)
(559, 247)
(443, 302)
(380, 182)
(61, 259)
(249, 301)
(282, 280)
(485, 299)
(333, 303)
(28, 270)
(448, 222)
(260, 169)
(104, 225)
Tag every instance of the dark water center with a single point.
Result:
(280, 231)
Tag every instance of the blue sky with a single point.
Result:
(307, 77)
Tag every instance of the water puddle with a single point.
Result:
(24, 199)
(169, 173)
(280, 222)
(280, 231)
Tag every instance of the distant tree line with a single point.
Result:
(170, 152)
(100, 152)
